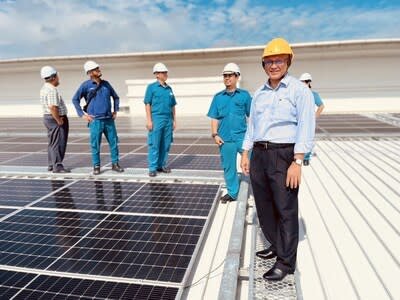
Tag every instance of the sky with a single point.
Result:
(80, 27)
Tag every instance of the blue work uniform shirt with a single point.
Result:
(317, 99)
(161, 99)
(100, 105)
(284, 114)
(231, 110)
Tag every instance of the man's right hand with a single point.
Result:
(245, 163)
(149, 125)
(218, 140)
(60, 121)
(88, 118)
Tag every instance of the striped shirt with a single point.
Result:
(49, 95)
(282, 115)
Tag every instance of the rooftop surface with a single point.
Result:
(91, 227)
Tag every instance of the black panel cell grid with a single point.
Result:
(172, 199)
(5, 211)
(35, 239)
(195, 162)
(54, 287)
(140, 247)
(91, 195)
(12, 282)
(21, 192)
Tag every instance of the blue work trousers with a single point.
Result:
(307, 156)
(229, 151)
(159, 141)
(97, 128)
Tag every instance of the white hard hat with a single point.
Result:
(47, 71)
(159, 67)
(90, 65)
(231, 68)
(305, 77)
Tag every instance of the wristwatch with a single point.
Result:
(298, 161)
(214, 135)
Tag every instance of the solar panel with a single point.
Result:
(90, 195)
(181, 199)
(111, 237)
(196, 162)
(23, 285)
(23, 191)
(5, 211)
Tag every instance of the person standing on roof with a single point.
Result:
(160, 104)
(55, 119)
(98, 113)
(280, 131)
(307, 79)
(228, 111)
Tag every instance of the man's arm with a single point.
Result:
(173, 117)
(214, 132)
(319, 110)
(55, 114)
(149, 121)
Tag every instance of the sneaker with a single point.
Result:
(96, 170)
(227, 198)
(306, 162)
(117, 168)
(61, 170)
(50, 168)
(164, 170)
(152, 173)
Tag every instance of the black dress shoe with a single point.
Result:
(96, 170)
(50, 168)
(227, 198)
(306, 162)
(275, 274)
(152, 173)
(164, 170)
(117, 168)
(266, 253)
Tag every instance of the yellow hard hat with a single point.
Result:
(277, 46)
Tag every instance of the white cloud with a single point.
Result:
(44, 27)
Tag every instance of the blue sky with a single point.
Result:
(74, 27)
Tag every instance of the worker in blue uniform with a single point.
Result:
(228, 111)
(280, 131)
(307, 79)
(160, 104)
(98, 113)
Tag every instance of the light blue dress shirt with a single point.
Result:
(282, 115)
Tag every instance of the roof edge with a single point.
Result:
(197, 51)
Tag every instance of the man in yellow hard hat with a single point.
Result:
(280, 130)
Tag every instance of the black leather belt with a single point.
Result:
(270, 145)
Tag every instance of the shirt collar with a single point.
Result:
(284, 82)
(231, 93)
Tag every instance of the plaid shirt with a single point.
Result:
(49, 96)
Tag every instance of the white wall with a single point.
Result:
(350, 76)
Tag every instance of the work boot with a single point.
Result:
(227, 198)
(117, 168)
(164, 170)
(96, 170)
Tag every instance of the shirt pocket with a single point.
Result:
(283, 109)
(223, 110)
(239, 108)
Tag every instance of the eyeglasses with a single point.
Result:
(278, 62)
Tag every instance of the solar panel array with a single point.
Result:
(99, 239)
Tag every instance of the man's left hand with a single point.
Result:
(293, 177)
(114, 115)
